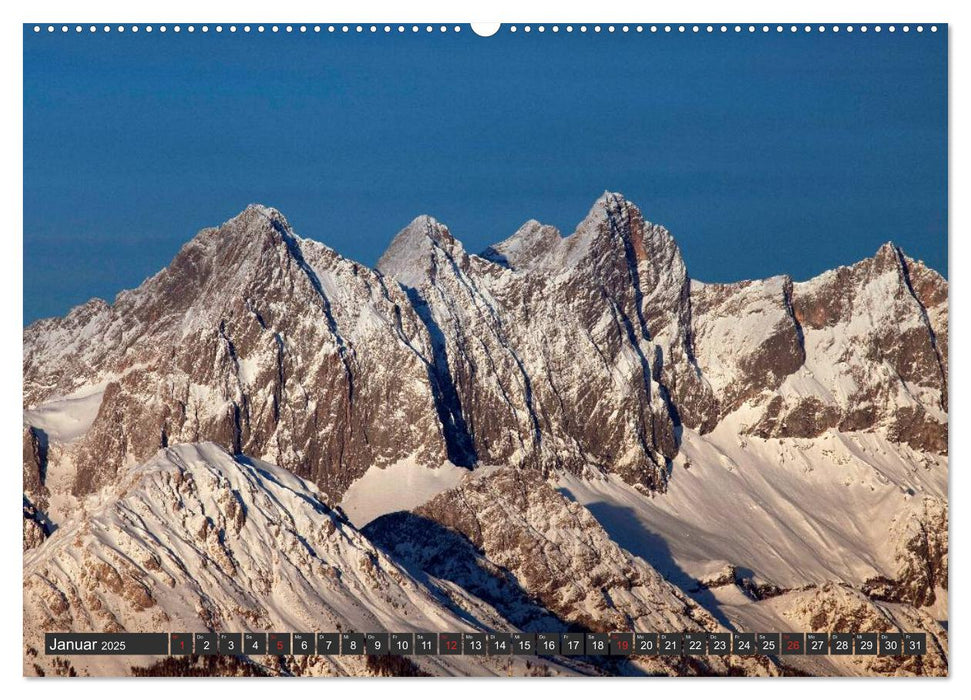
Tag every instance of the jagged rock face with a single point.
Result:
(257, 340)
(429, 549)
(559, 554)
(490, 416)
(516, 542)
(36, 493)
(872, 357)
(746, 338)
(546, 351)
(921, 537)
(549, 340)
(35, 466)
(857, 348)
(836, 608)
(556, 347)
(931, 291)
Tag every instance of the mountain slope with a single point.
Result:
(195, 539)
(528, 546)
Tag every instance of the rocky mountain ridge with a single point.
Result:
(545, 351)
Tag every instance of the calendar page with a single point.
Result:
(496, 350)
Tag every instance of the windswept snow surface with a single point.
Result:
(786, 511)
(69, 417)
(402, 486)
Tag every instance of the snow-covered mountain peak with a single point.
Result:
(242, 237)
(423, 230)
(888, 256)
(526, 248)
(268, 212)
(247, 225)
(411, 256)
(615, 229)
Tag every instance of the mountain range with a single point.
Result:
(561, 432)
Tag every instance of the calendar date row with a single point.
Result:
(490, 643)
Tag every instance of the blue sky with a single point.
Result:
(763, 154)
